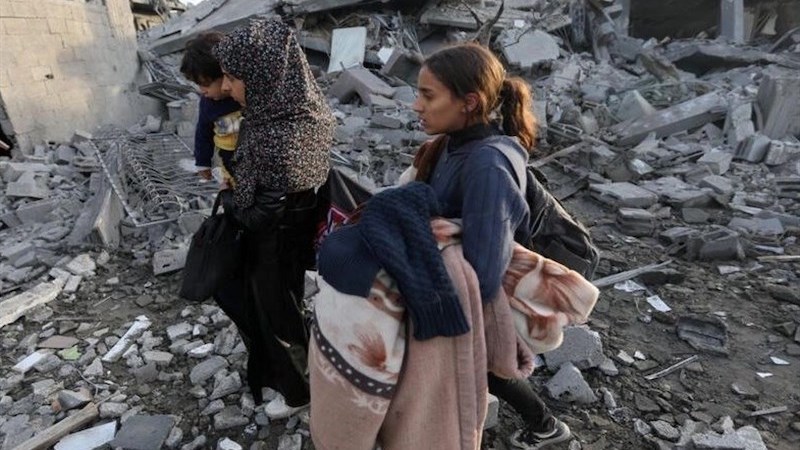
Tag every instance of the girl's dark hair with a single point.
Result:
(472, 68)
(199, 64)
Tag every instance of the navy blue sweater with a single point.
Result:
(210, 110)
(477, 183)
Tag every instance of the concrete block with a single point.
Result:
(781, 152)
(93, 437)
(754, 149)
(779, 100)
(788, 187)
(169, 260)
(13, 252)
(492, 412)
(676, 193)
(636, 222)
(143, 432)
(568, 385)
(41, 211)
(10, 219)
(688, 115)
(28, 185)
(757, 226)
(64, 154)
(634, 106)
(581, 346)
(718, 184)
(718, 162)
(623, 194)
(719, 244)
(15, 307)
(404, 65)
(525, 49)
(739, 124)
(731, 22)
(82, 265)
(29, 361)
(359, 81)
(347, 48)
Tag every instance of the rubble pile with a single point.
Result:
(681, 156)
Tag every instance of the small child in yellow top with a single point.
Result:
(220, 115)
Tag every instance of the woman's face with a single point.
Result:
(438, 109)
(233, 86)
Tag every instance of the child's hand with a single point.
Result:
(205, 174)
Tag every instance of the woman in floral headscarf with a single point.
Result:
(281, 157)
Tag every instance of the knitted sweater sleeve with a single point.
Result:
(204, 135)
(492, 210)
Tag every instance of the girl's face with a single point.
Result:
(438, 109)
(233, 86)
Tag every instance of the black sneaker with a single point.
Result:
(528, 439)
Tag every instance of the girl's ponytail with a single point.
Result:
(516, 109)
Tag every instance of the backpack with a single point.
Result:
(551, 231)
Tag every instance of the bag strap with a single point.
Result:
(217, 202)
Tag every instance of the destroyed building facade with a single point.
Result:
(67, 65)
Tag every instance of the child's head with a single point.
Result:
(200, 66)
(463, 85)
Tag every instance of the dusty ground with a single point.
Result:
(702, 391)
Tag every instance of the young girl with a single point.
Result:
(429, 291)
(488, 130)
(281, 157)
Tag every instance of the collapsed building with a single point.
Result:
(669, 128)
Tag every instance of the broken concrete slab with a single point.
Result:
(754, 148)
(347, 48)
(405, 65)
(41, 211)
(94, 437)
(15, 307)
(781, 152)
(362, 82)
(717, 244)
(719, 184)
(581, 346)
(636, 222)
(779, 100)
(568, 385)
(528, 48)
(58, 342)
(143, 432)
(28, 185)
(31, 360)
(623, 194)
(675, 192)
(141, 324)
(757, 226)
(739, 124)
(704, 333)
(688, 115)
(82, 265)
(717, 161)
(169, 260)
(633, 106)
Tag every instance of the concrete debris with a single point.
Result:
(93, 437)
(568, 385)
(688, 115)
(673, 151)
(581, 347)
(525, 49)
(704, 333)
(142, 432)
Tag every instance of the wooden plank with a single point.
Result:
(50, 436)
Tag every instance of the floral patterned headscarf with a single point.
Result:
(288, 127)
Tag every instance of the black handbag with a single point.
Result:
(214, 257)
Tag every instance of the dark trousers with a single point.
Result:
(521, 396)
(265, 301)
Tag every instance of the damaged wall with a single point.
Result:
(660, 19)
(66, 65)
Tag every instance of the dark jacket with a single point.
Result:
(278, 235)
